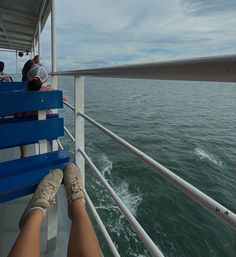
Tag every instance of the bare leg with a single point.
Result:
(83, 241)
(28, 241)
(23, 151)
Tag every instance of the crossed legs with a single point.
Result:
(82, 241)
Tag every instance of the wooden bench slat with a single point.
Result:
(18, 101)
(20, 177)
(9, 184)
(10, 86)
(15, 167)
(6, 120)
(28, 132)
(18, 193)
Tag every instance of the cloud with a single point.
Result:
(109, 32)
(203, 7)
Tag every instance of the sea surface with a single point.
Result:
(189, 127)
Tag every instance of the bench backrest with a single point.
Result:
(20, 176)
(24, 101)
(19, 131)
(10, 86)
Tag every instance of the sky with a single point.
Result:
(95, 33)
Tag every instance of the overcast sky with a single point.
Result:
(94, 33)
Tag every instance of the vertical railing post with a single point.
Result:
(53, 44)
(79, 122)
(16, 65)
(33, 48)
(39, 38)
(52, 228)
(53, 57)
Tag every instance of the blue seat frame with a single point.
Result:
(20, 177)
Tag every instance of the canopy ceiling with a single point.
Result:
(19, 22)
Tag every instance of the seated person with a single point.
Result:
(37, 75)
(3, 76)
(28, 66)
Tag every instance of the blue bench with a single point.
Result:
(10, 86)
(20, 177)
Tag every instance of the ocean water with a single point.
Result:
(189, 127)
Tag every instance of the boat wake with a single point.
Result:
(131, 200)
(207, 156)
(116, 223)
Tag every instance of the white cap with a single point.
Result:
(38, 71)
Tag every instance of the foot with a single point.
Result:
(73, 184)
(44, 195)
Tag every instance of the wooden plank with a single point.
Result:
(15, 167)
(18, 101)
(10, 86)
(28, 132)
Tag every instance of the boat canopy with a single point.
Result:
(21, 22)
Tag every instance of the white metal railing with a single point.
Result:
(69, 105)
(221, 68)
(153, 249)
(217, 68)
(131, 219)
(211, 205)
(102, 227)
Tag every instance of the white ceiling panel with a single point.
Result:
(19, 22)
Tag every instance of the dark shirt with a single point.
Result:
(26, 69)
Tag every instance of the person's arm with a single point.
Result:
(50, 87)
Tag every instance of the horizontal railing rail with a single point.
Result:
(218, 68)
(130, 218)
(207, 202)
(110, 243)
(154, 250)
(204, 200)
(69, 105)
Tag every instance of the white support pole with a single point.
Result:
(33, 48)
(16, 66)
(53, 57)
(39, 39)
(79, 122)
(53, 44)
(43, 148)
(52, 229)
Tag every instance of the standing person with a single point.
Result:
(3, 76)
(28, 66)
